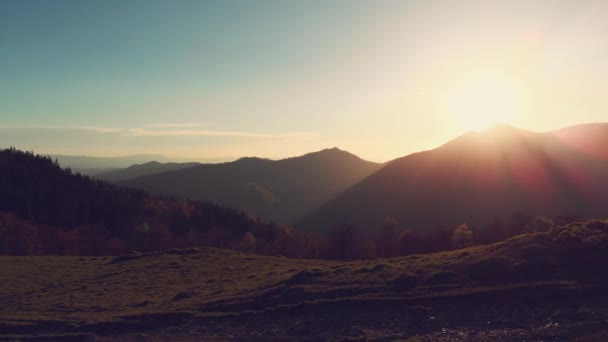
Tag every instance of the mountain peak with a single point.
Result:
(333, 152)
(151, 163)
(250, 160)
(503, 129)
(498, 133)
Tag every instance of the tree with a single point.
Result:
(407, 243)
(388, 241)
(539, 224)
(519, 220)
(342, 242)
(462, 237)
(248, 243)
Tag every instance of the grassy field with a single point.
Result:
(523, 283)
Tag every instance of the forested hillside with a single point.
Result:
(51, 210)
(140, 170)
(279, 190)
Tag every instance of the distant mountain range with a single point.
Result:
(94, 166)
(45, 210)
(282, 190)
(139, 170)
(478, 178)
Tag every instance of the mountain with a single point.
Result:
(281, 190)
(139, 170)
(94, 166)
(45, 209)
(480, 178)
(591, 138)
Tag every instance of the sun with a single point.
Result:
(482, 100)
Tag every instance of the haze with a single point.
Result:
(215, 79)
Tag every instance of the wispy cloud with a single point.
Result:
(166, 130)
(216, 133)
(176, 125)
(96, 129)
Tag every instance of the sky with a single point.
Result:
(216, 79)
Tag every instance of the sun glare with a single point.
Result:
(481, 101)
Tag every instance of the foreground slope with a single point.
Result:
(480, 178)
(281, 190)
(532, 286)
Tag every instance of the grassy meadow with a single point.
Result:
(79, 297)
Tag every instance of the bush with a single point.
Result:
(582, 237)
(462, 237)
(540, 224)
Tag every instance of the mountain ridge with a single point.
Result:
(144, 169)
(280, 190)
(477, 178)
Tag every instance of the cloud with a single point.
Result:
(142, 132)
(166, 130)
(176, 125)
(96, 129)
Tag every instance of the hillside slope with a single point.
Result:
(481, 177)
(45, 209)
(513, 288)
(281, 190)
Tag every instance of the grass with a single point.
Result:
(72, 294)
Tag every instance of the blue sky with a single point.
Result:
(278, 78)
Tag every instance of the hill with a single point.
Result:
(546, 286)
(45, 209)
(93, 166)
(484, 179)
(139, 170)
(281, 190)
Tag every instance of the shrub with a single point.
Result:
(540, 224)
(462, 237)
(584, 237)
